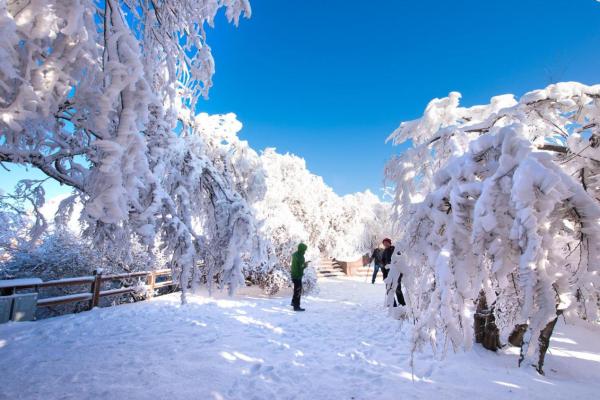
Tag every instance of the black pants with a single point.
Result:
(297, 292)
(376, 268)
(385, 271)
(399, 294)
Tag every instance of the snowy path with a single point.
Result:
(257, 348)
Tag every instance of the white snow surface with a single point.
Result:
(252, 347)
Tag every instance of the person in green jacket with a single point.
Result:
(298, 267)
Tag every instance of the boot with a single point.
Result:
(299, 309)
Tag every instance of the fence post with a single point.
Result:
(151, 282)
(96, 288)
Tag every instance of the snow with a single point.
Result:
(8, 283)
(254, 347)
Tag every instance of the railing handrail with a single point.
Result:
(95, 281)
(82, 280)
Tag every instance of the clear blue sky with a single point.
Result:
(330, 79)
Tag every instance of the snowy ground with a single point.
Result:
(251, 347)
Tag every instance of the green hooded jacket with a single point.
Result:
(298, 264)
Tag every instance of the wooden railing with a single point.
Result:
(95, 281)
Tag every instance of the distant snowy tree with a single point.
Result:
(502, 199)
(299, 206)
(360, 222)
(99, 95)
(14, 230)
(21, 219)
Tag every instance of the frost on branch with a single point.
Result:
(503, 198)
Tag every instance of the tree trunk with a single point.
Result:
(516, 336)
(486, 331)
(516, 339)
(544, 342)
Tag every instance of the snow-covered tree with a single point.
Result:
(360, 221)
(100, 96)
(242, 169)
(14, 229)
(501, 199)
(22, 222)
(299, 206)
(290, 204)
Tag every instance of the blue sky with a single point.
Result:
(330, 79)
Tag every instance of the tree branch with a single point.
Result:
(39, 161)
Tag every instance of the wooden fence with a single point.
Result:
(95, 281)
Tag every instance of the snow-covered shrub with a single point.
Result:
(502, 198)
(59, 255)
(63, 254)
(309, 281)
